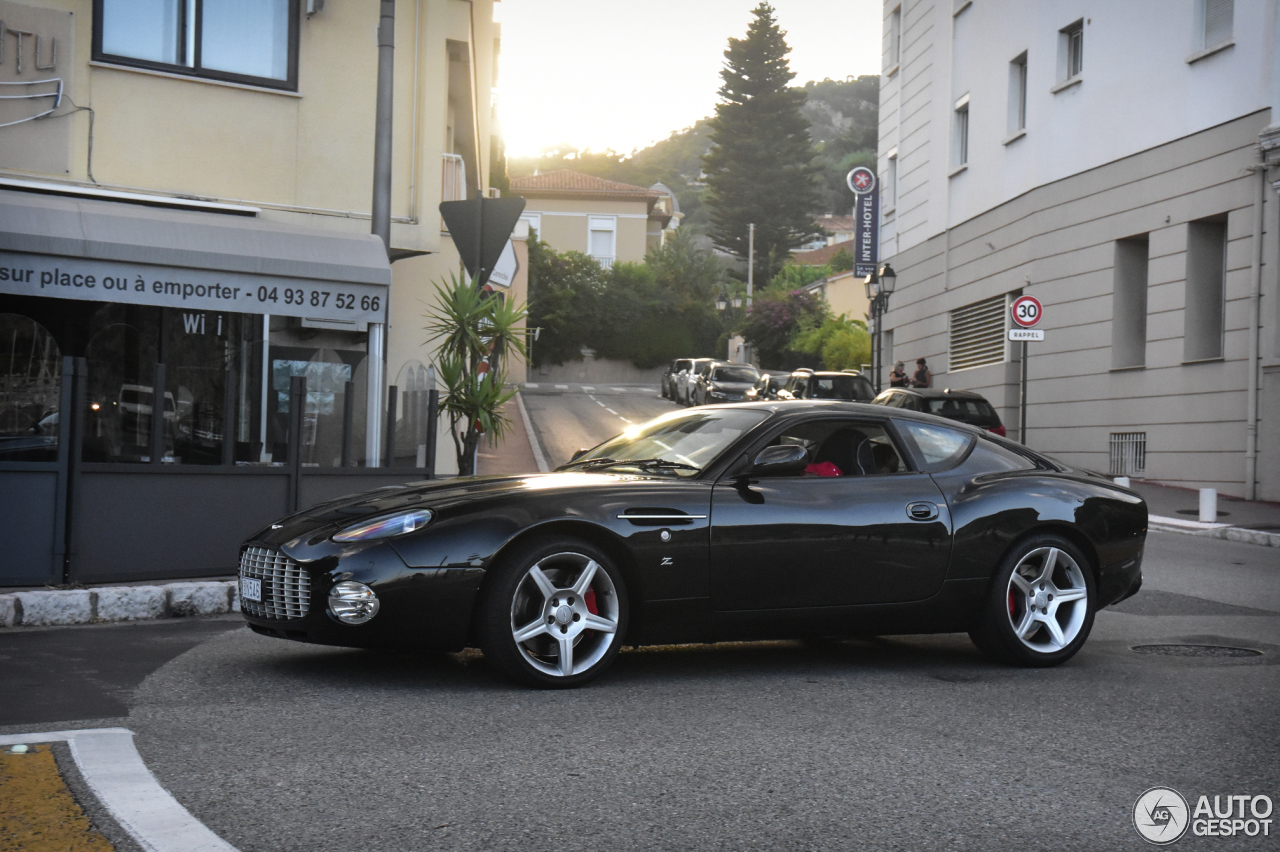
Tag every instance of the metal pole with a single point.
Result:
(157, 414)
(877, 363)
(392, 394)
(433, 413)
(1022, 399)
(751, 261)
(348, 415)
(382, 123)
(228, 413)
(297, 402)
(479, 237)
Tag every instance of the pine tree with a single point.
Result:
(761, 164)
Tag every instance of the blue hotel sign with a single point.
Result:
(866, 214)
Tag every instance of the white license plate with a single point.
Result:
(251, 589)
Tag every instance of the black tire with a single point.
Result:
(1054, 585)
(554, 613)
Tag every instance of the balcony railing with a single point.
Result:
(453, 180)
(605, 262)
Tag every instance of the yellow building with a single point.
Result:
(185, 203)
(607, 220)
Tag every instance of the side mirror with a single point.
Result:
(782, 459)
(580, 453)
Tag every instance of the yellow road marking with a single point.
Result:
(37, 811)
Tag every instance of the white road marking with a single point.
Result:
(624, 420)
(114, 771)
(611, 411)
(531, 384)
(562, 387)
(618, 390)
(588, 389)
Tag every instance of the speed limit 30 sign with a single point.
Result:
(1027, 311)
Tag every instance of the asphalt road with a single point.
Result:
(894, 743)
(569, 420)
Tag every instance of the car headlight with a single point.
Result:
(353, 603)
(386, 526)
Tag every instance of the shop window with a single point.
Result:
(30, 390)
(247, 41)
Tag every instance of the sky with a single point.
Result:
(623, 74)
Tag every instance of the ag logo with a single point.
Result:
(1161, 815)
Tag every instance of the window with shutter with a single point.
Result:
(978, 334)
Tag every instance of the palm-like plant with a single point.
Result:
(472, 328)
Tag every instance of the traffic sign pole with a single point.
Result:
(1022, 399)
(1027, 312)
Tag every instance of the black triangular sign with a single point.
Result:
(480, 228)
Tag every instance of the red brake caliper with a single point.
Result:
(590, 600)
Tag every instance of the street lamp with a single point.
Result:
(879, 287)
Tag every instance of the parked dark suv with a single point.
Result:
(824, 384)
(964, 406)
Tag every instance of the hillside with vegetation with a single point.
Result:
(843, 124)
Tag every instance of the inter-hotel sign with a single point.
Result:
(866, 226)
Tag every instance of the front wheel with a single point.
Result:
(1041, 605)
(554, 615)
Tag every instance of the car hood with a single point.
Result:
(736, 387)
(438, 495)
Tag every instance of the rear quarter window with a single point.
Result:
(938, 447)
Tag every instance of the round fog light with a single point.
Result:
(353, 603)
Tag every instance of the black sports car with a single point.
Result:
(735, 522)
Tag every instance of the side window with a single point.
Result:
(844, 448)
(801, 385)
(938, 446)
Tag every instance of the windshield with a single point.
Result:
(966, 410)
(683, 442)
(842, 387)
(734, 374)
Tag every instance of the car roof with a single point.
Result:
(940, 393)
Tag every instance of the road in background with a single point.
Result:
(567, 418)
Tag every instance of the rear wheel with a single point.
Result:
(554, 615)
(1041, 605)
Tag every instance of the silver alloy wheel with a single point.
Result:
(1047, 600)
(552, 621)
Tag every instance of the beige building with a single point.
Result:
(185, 205)
(607, 220)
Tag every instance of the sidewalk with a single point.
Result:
(518, 452)
(1178, 509)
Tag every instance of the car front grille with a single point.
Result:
(286, 587)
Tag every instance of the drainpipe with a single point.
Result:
(377, 345)
(1255, 316)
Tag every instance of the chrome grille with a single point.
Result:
(286, 587)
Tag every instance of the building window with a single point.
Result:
(1129, 303)
(895, 39)
(1018, 95)
(960, 131)
(889, 191)
(1071, 51)
(1217, 20)
(1206, 289)
(1128, 453)
(244, 41)
(978, 334)
(602, 239)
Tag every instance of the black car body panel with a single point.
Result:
(748, 556)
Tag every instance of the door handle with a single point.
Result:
(922, 511)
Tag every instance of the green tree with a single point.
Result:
(842, 261)
(760, 168)
(775, 321)
(841, 343)
(470, 325)
(565, 301)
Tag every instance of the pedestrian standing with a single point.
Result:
(898, 378)
(922, 378)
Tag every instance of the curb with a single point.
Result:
(118, 603)
(1221, 531)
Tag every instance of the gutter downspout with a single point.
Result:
(1255, 317)
(377, 346)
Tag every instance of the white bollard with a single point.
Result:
(1122, 481)
(1208, 505)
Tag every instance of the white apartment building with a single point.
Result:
(1119, 161)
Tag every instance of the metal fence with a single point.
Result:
(1128, 453)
